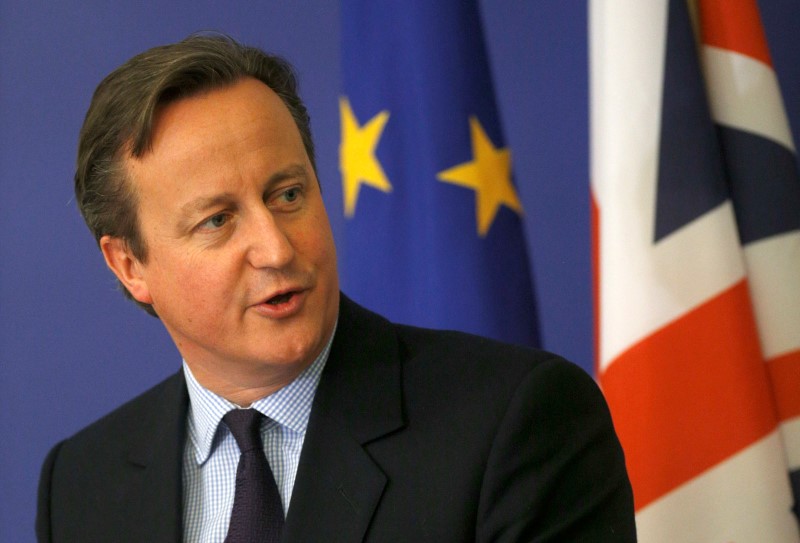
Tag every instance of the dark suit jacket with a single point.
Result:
(414, 436)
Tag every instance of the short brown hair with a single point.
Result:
(119, 122)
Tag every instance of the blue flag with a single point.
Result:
(433, 233)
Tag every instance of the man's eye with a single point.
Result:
(215, 222)
(290, 195)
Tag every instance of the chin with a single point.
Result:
(303, 354)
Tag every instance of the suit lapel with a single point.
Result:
(155, 473)
(338, 485)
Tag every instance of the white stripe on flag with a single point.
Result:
(773, 264)
(744, 94)
(751, 502)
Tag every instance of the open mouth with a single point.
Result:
(280, 298)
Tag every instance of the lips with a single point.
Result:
(281, 304)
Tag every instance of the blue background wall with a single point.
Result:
(71, 348)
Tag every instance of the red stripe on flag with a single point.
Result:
(690, 395)
(734, 25)
(595, 220)
(785, 373)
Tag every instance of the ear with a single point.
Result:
(127, 268)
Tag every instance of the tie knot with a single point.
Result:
(245, 425)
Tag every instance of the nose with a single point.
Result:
(268, 245)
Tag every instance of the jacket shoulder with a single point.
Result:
(463, 352)
(125, 421)
(113, 480)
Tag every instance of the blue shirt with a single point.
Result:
(211, 455)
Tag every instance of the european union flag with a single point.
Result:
(433, 232)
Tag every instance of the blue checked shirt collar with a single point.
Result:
(289, 406)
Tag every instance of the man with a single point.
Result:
(196, 175)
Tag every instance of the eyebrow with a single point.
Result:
(295, 170)
(203, 203)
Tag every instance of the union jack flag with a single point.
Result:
(696, 197)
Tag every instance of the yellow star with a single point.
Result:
(357, 160)
(489, 175)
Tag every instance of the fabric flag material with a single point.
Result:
(433, 232)
(697, 250)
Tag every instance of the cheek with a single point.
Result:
(319, 239)
(210, 279)
(318, 247)
(192, 277)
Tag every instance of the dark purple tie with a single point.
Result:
(257, 514)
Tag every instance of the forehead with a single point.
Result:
(231, 109)
(216, 131)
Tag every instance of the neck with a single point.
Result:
(244, 388)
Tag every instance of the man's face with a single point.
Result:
(241, 264)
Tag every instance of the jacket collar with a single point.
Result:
(155, 487)
(358, 401)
